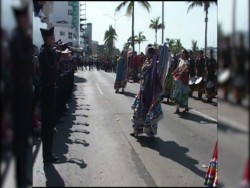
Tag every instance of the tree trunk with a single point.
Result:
(206, 20)
(156, 37)
(139, 48)
(233, 23)
(133, 20)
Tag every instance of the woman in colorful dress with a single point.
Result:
(181, 79)
(147, 105)
(121, 73)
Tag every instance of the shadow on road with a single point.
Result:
(53, 178)
(173, 151)
(128, 94)
(79, 80)
(227, 128)
(168, 103)
(213, 103)
(197, 118)
(62, 140)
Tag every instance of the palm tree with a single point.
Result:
(139, 39)
(109, 39)
(130, 11)
(178, 45)
(194, 46)
(156, 24)
(206, 5)
(126, 46)
(171, 44)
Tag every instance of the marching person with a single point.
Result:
(121, 73)
(181, 78)
(200, 70)
(210, 68)
(48, 59)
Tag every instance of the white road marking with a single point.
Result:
(225, 120)
(98, 88)
(232, 123)
(203, 115)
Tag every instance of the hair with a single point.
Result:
(185, 52)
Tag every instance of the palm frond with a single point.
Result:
(119, 7)
(194, 4)
(145, 4)
(130, 8)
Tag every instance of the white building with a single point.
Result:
(62, 10)
(64, 32)
(94, 47)
(65, 11)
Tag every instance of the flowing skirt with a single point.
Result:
(181, 93)
(146, 121)
(121, 75)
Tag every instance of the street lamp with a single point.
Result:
(114, 19)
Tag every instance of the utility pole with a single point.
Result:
(162, 36)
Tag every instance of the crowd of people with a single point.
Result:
(37, 84)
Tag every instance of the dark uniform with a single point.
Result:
(211, 67)
(21, 60)
(48, 59)
(191, 67)
(200, 70)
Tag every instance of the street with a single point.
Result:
(96, 148)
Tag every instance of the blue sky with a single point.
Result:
(179, 23)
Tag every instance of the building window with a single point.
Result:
(70, 12)
(62, 33)
(70, 35)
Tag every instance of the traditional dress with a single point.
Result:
(146, 105)
(181, 85)
(169, 85)
(121, 74)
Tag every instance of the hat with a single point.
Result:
(148, 47)
(47, 32)
(64, 46)
(20, 10)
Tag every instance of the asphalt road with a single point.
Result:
(96, 148)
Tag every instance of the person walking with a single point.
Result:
(147, 103)
(121, 73)
(181, 79)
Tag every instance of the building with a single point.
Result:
(64, 12)
(66, 33)
(94, 47)
(87, 35)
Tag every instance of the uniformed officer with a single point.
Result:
(48, 59)
(210, 67)
(200, 69)
(21, 63)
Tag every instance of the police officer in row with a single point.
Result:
(200, 70)
(48, 63)
(21, 82)
(211, 68)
